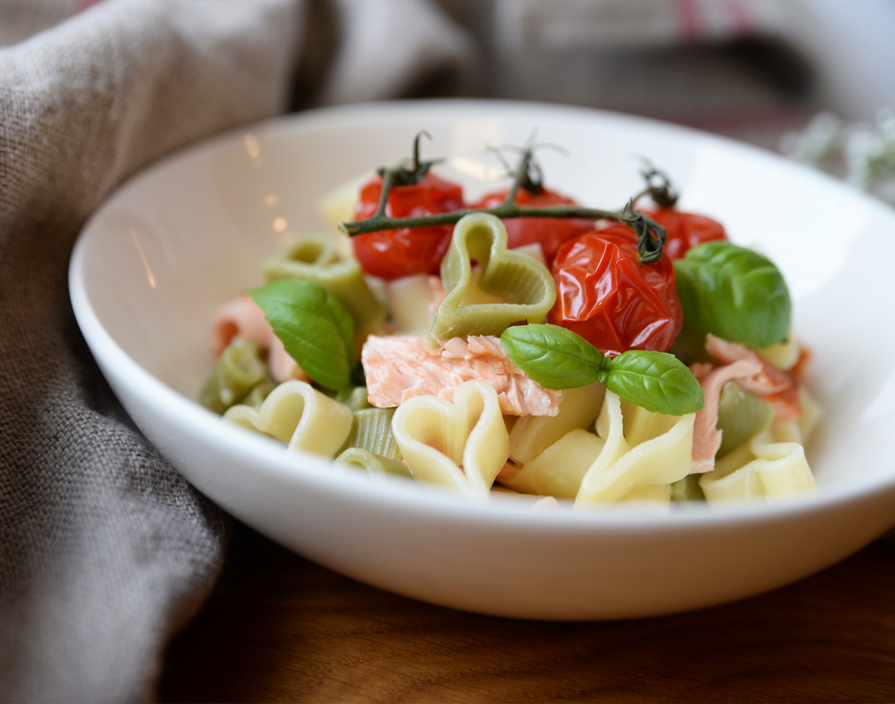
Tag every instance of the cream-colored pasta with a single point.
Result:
(783, 355)
(437, 437)
(655, 454)
(559, 469)
(812, 412)
(760, 469)
(299, 416)
(652, 495)
(578, 408)
(412, 304)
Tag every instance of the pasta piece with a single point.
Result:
(337, 204)
(659, 452)
(559, 469)
(259, 392)
(687, 489)
(525, 285)
(783, 355)
(375, 465)
(372, 431)
(658, 495)
(461, 445)
(238, 371)
(760, 469)
(578, 408)
(299, 416)
(314, 258)
(412, 302)
(812, 412)
(355, 398)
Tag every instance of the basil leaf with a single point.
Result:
(316, 330)
(553, 356)
(734, 293)
(657, 381)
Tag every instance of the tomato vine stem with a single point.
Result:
(650, 235)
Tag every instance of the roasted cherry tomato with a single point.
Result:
(550, 233)
(392, 254)
(685, 230)
(607, 296)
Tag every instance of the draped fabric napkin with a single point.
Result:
(105, 551)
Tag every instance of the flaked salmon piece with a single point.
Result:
(706, 436)
(780, 388)
(401, 367)
(241, 316)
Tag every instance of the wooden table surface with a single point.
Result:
(280, 628)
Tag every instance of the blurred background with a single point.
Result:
(751, 69)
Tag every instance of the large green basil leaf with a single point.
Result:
(734, 293)
(558, 358)
(316, 330)
(657, 381)
(554, 357)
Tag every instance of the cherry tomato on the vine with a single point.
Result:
(550, 233)
(607, 296)
(392, 254)
(685, 230)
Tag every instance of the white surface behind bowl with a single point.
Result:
(191, 232)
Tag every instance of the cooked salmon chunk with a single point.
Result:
(402, 367)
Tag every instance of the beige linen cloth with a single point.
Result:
(105, 551)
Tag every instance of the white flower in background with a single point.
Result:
(870, 156)
(819, 145)
(862, 154)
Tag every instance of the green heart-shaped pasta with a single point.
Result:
(314, 258)
(524, 283)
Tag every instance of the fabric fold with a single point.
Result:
(105, 550)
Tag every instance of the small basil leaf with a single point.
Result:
(657, 381)
(316, 330)
(734, 293)
(554, 357)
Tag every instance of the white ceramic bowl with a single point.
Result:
(193, 230)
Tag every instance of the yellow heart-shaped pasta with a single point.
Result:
(641, 449)
(759, 469)
(524, 283)
(300, 416)
(461, 444)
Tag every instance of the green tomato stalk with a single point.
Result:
(650, 235)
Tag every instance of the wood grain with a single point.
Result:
(280, 628)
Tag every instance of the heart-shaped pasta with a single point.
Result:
(300, 416)
(759, 469)
(461, 444)
(641, 449)
(524, 283)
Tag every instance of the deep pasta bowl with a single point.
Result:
(192, 231)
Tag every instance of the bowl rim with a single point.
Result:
(397, 494)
